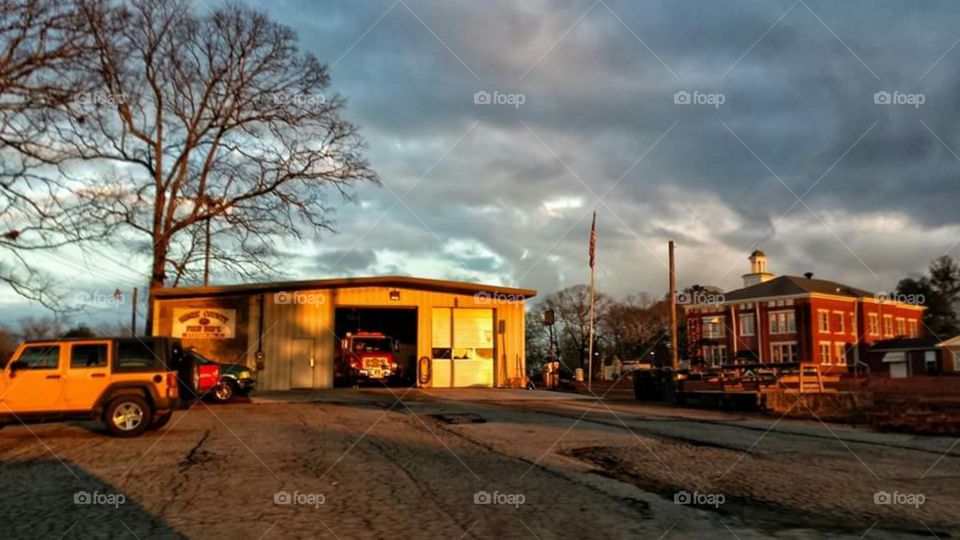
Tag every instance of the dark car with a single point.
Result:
(199, 375)
(231, 379)
(235, 380)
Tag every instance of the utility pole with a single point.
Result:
(133, 314)
(593, 248)
(674, 350)
(549, 318)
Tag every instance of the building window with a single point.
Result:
(783, 322)
(715, 355)
(713, 327)
(825, 354)
(888, 325)
(841, 322)
(930, 362)
(824, 318)
(841, 353)
(901, 327)
(874, 324)
(912, 325)
(747, 325)
(783, 352)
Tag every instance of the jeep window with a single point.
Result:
(40, 357)
(88, 356)
(199, 358)
(135, 356)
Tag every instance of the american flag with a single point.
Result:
(593, 241)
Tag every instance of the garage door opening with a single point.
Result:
(377, 346)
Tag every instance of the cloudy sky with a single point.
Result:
(823, 132)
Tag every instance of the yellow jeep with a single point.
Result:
(130, 384)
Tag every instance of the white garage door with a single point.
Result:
(897, 362)
(463, 347)
(898, 370)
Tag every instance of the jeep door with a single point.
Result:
(33, 380)
(87, 375)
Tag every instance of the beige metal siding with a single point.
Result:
(284, 322)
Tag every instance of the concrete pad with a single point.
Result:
(501, 394)
(353, 395)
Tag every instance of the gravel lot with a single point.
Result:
(361, 464)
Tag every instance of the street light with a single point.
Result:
(549, 318)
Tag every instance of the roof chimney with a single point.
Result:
(808, 275)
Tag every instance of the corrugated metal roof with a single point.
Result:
(400, 282)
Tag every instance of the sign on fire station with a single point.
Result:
(204, 323)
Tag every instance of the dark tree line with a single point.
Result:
(628, 329)
(940, 290)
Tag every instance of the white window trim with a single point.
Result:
(722, 323)
(780, 344)
(829, 347)
(740, 318)
(772, 315)
(841, 358)
(820, 320)
(711, 355)
(873, 318)
(843, 322)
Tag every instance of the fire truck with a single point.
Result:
(367, 356)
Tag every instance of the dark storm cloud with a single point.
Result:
(798, 100)
(346, 261)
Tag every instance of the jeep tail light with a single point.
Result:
(171, 384)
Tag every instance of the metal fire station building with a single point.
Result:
(469, 335)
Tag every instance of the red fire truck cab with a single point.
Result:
(367, 356)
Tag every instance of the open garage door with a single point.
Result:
(376, 346)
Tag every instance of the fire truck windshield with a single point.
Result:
(372, 345)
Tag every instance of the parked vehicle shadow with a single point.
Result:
(57, 499)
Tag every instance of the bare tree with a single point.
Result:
(635, 324)
(216, 116)
(8, 344)
(41, 43)
(571, 307)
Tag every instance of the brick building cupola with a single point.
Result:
(758, 269)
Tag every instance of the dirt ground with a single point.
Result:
(482, 464)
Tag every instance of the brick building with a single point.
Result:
(791, 319)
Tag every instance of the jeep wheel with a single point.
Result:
(223, 392)
(160, 420)
(128, 416)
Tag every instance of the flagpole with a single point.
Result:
(593, 237)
